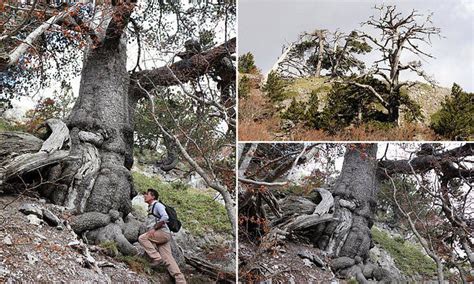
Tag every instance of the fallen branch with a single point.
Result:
(262, 182)
(211, 269)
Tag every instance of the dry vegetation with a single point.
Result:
(259, 121)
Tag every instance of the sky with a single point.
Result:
(264, 26)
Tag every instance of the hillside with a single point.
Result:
(33, 249)
(261, 119)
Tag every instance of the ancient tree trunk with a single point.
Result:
(354, 201)
(101, 127)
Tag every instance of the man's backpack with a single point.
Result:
(173, 222)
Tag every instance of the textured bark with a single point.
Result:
(101, 126)
(350, 234)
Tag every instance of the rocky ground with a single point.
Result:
(38, 245)
(288, 263)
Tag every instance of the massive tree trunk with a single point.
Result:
(101, 127)
(354, 201)
(91, 175)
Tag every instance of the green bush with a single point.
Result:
(274, 87)
(408, 257)
(244, 87)
(8, 126)
(455, 119)
(198, 211)
(312, 114)
(247, 63)
(295, 112)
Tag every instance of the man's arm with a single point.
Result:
(161, 210)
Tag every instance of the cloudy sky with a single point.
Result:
(265, 25)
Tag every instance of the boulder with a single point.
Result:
(50, 218)
(30, 208)
(33, 219)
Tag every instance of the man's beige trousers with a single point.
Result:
(162, 241)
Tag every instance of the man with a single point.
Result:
(159, 234)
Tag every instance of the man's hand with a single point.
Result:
(159, 225)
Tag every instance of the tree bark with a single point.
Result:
(101, 127)
(354, 201)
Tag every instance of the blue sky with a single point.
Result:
(265, 25)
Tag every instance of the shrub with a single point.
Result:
(247, 63)
(455, 119)
(295, 112)
(244, 87)
(407, 256)
(274, 87)
(312, 114)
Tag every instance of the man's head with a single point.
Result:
(150, 195)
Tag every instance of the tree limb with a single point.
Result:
(182, 71)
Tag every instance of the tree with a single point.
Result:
(322, 50)
(399, 35)
(455, 118)
(88, 162)
(274, 86)
(342, 213)
(247, 63)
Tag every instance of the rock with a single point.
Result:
(50, 218)
(4, 271)
(74, 244)
(7, 240)
(30, 208)
(379, 274)
(287, 124)
(307, 262)
(358, 259)
(40, 236)
(384, 260)
(33, 219)
(318, 261)
(31, 258)
(311, 257)
(342, 262)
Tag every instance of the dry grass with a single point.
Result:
(409, 132)
(257, 121)
(256, 131)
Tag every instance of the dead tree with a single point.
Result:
(399, 34)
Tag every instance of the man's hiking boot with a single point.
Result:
(158, 263)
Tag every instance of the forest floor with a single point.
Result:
(42, 253)
(282, 264)
(260, 119)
